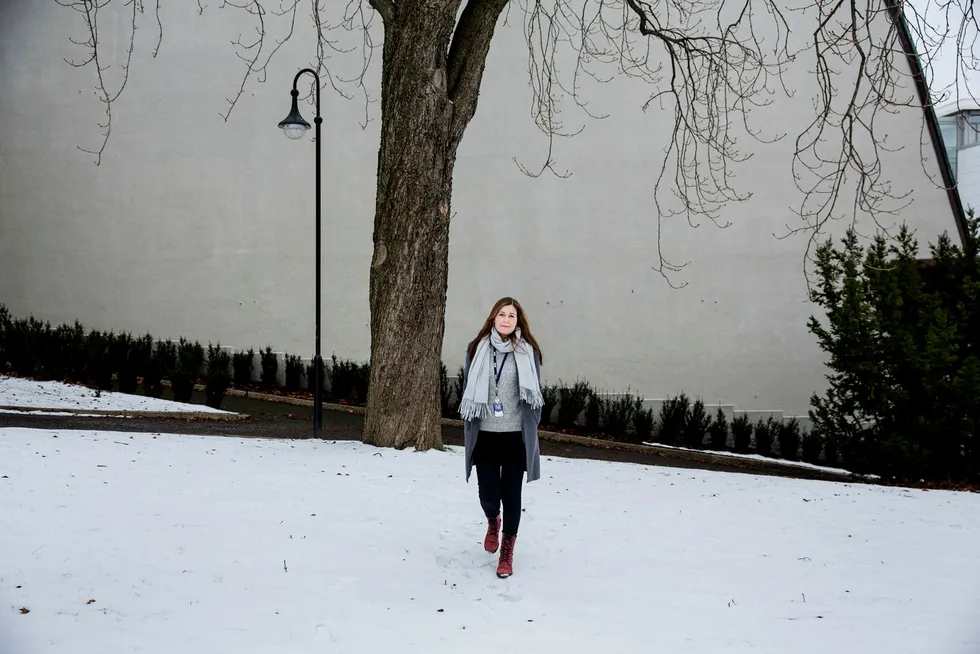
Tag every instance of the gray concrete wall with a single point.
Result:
(199, 227)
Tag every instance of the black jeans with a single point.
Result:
(500, 460)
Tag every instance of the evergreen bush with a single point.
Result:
(812, 446)
(294, 372)
(218, 378)
(243, 363)
(765, 435)
(741, 433)
(617, 413)
(789, 439)
(643, 422)
(572, 402)
(674, 413)
(270, 369)
(696, 426)
(718, 431)
(902, 339)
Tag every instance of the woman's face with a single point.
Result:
(506, 320)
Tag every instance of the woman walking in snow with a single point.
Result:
(501, 410)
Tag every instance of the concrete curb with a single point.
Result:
(175, 415)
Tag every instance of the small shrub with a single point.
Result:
(270, 369)
(69, 343)
(718, 431)
(73, 354)
(99, 365)
(341, 375)
(310, 379)
(812, 447)
(696, 426)
(617, 413)
(551, 395)
(572, 401)
(349, 380)
(643, 422)
(218, 378)
(43, 349)
(362, 379)
(190, 359)
(294, 372)
(765, 433)
(831, 448)
(18, 352)
(450, 390)
(4, 328)
(162, 365)
(140, 355)
(741, 434)
(445, 390)
(120, 353)
(593, 413)
(36, 336)
(789, 439)
(673, 419)
(458, 385)
(243, 363)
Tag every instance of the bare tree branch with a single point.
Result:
(709, 64)
(89, 9)
(256, 51)
(863, 75)
(467, 59)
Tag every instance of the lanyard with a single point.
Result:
(498, 373)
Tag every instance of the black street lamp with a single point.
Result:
(295, 127)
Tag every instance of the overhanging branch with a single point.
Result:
(467, 59)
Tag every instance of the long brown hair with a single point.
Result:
(522, 324)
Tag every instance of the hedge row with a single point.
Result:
(108, 360)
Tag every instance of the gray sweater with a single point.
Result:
(509, 394)
(529, 429)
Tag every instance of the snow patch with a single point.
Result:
(27, 393)
(163, 543)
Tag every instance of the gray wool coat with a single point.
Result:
(531, 420)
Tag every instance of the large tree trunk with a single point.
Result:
(428, 96)
(411, 234)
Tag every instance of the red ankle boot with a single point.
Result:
(492, 540)
(506, 566)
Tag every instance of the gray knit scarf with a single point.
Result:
(475, 402)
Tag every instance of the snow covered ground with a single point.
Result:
(161, 543)
(57, 395)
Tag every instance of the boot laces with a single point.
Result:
(507, 548)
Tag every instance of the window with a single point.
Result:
(947, 127)
(969, 129)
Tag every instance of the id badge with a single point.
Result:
(498, 409)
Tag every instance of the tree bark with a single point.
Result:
(430, 81)
(411, 233)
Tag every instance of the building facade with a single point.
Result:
(200, 227)
(960, 124)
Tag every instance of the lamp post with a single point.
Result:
(295, 127)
